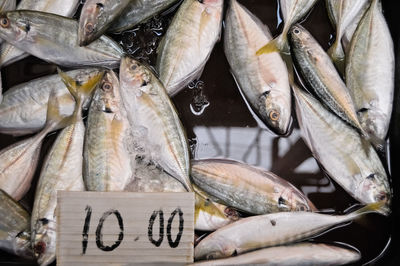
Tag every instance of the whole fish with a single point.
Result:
(55, 39)
(228, 181)
(18, 162)
(319, 73)
(97, 16)
(187, 45)
(107, 165)
(62, 170)
(346, 157)
(302, 254)
(9, 53)
(341, 14)
(370, 72)
(138, 11)
(292, 11)
(23, 108)
(154, 120)
(209, 215)
(270, 230)
(262, 79)
(14, 227)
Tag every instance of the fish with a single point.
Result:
(14, 227)
(154, 119)
(23, 107)
(6, 5)
(54, 39)
(188, 43)
(227, 181)
(107, 164)
(272, 229)
(138, 11)
(209, 215)
(262, 79)
(61, 170)
(97, 16)
(341, 151)
(341, 14)
(18, 162)
(292, 11)
(320, 75)
(9, 53)
(307, 253)
(370, 72)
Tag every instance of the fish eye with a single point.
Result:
(133, 66)
(382, 197)
(107, 86)
(89, 27)
(5, 22)
(296, 31)
(274, 115)
(301, 208)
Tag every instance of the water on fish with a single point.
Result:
(218, 124)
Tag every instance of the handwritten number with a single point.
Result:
(150, 230)
(99, 235)
(85, 235)
(174, 244)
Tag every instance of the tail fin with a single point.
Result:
(279, 44)
(376, 207)
(55, 119)
(337, 55)
(80, 91)
(270, 47)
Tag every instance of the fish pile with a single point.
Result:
(133, 140)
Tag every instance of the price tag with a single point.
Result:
(103, 228)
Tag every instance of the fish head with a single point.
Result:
(44, 241)
(92, 16)
(272, 113)
(137, 76)
(107, 96)
(14, 27)
(291, 199)
(213, 247)
(375, 188)
(299, 37)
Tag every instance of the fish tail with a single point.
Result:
(80, 91)
(55, 119)
(270, 47)
(375, 207)
(337, 55)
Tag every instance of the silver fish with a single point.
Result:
(107, 165)
(55, 39)
(370, 72)
(292, 11)
(6, 5)
(154, 119)
(187, 45)
(319, 73)
(263, 79)
(302, 254)
(350, 160)
(18, 161)
(9, 53)
(61, 170)
(96, 17)
(23, 108)
(270, 230)
(14, 227)
(138, 11)
(341, 14)
(227, 181)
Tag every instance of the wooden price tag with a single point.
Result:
(103, 228)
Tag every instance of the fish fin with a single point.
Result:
(337, 55)
(270, 47)
(78, 90)
(375, 207)
(55, 120)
